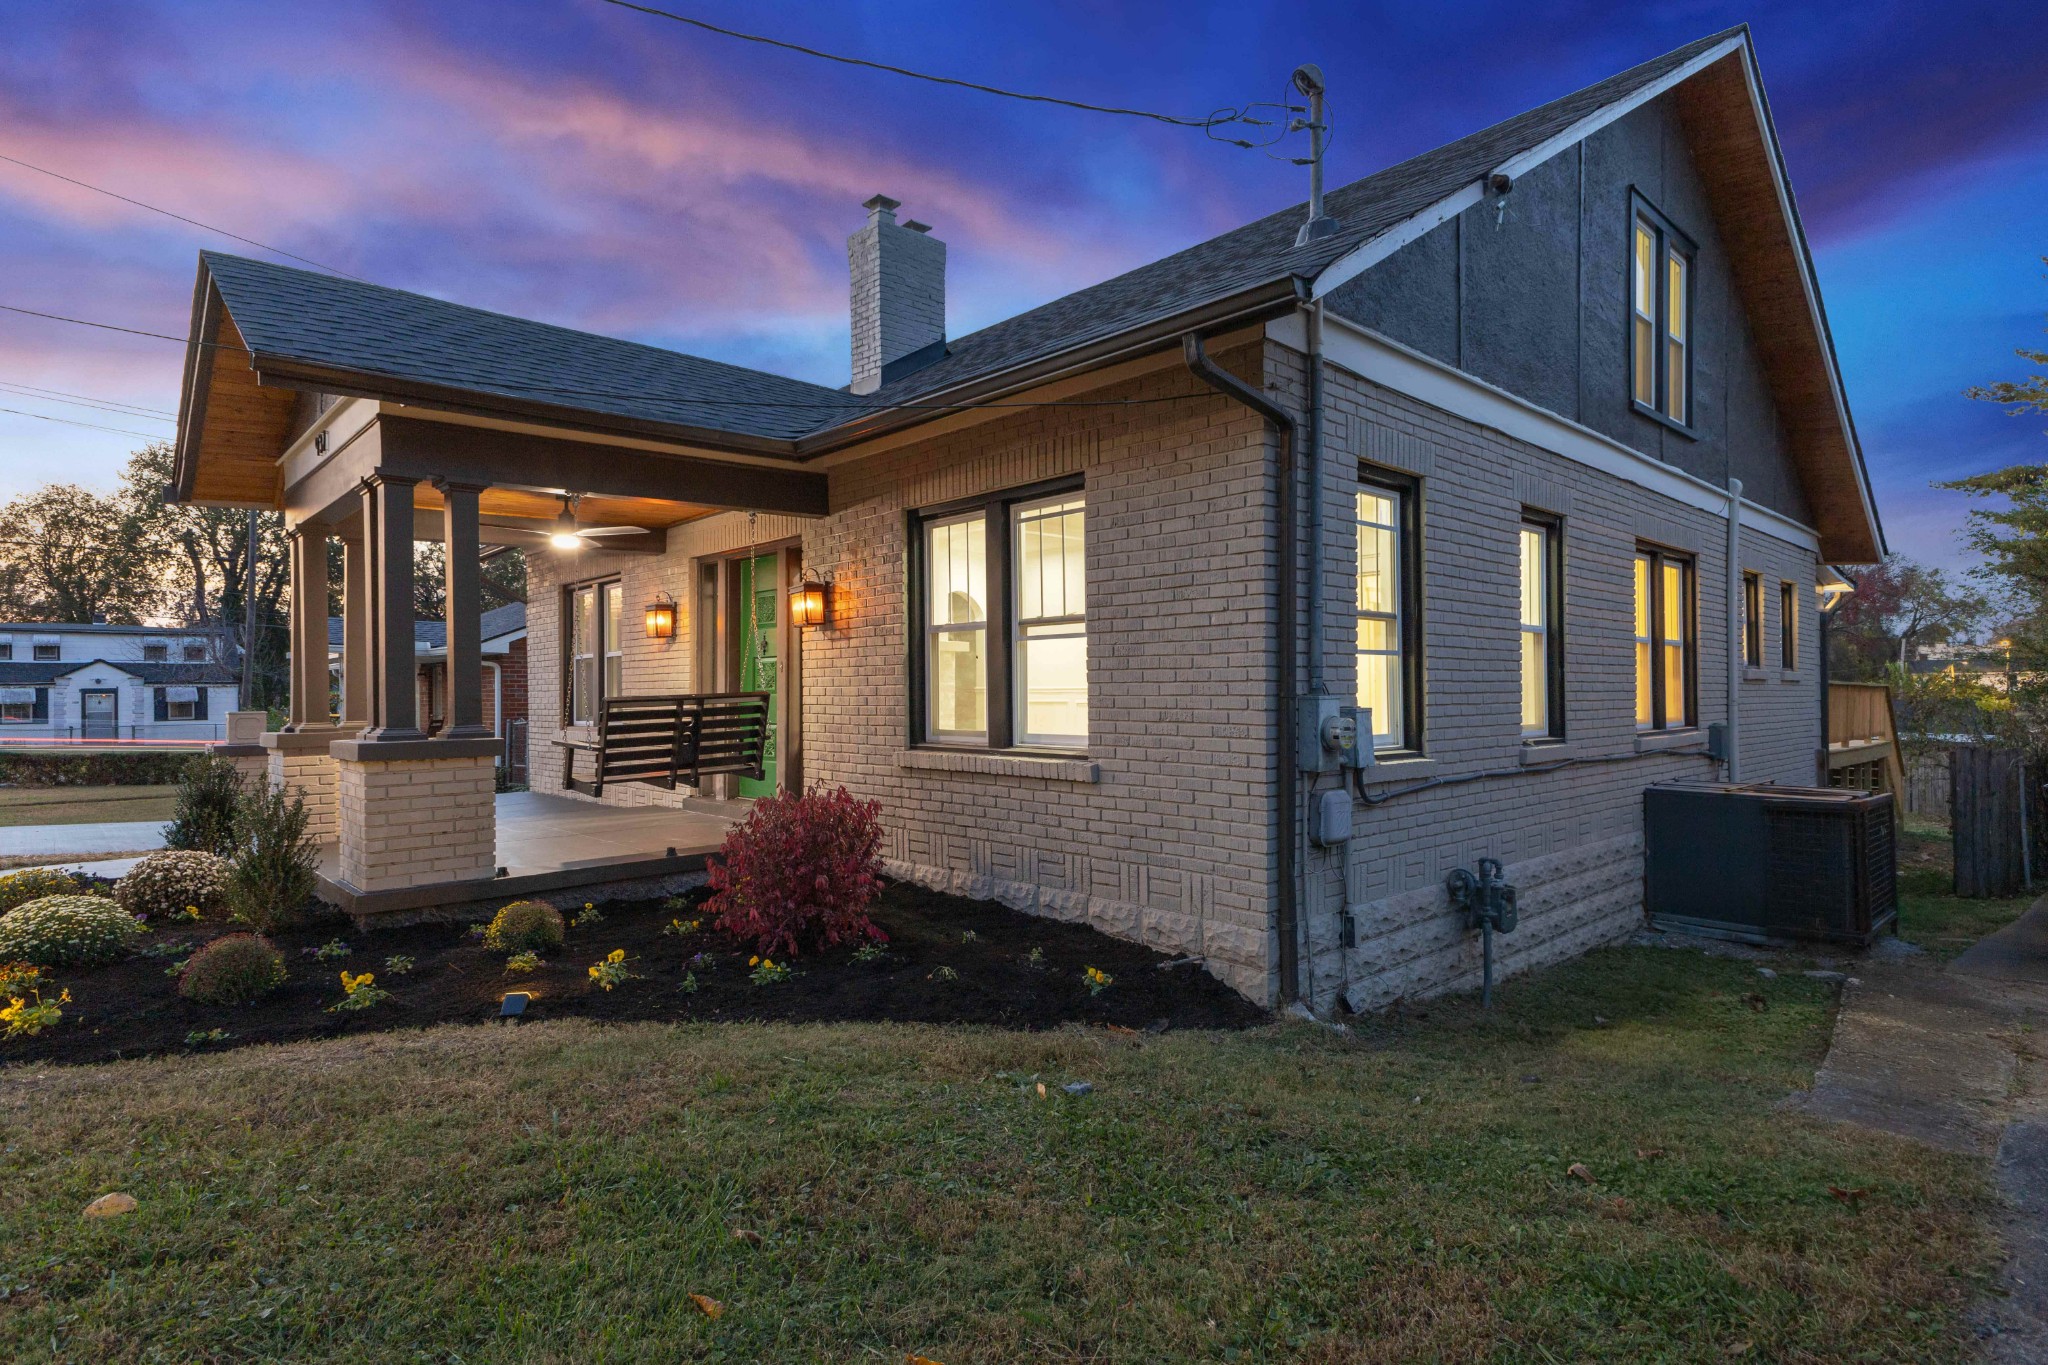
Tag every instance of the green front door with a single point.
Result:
(759, 599)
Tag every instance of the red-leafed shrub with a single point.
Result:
(800, 873)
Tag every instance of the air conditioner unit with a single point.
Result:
(1758, 862)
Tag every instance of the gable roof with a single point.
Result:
(347, 337)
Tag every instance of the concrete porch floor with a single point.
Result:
(559, 843)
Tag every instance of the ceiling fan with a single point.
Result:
(565, 534)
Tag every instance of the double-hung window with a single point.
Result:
(1389, 679)
(596, 663)
(1542, 562)
(1002, 607)
(1753, 620)
(1666, 658)
(1788, 625)
(156, 654)
(1660, 316)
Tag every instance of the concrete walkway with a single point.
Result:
(80, 841)
(1940, 1055)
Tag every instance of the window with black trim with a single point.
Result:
(1389, 641)
(155, 653)
(1667, 662)
(593, 661)
(1660, 316)
(48, 653)
(1542, 574)
(1788, 625)
(1000, 658)
(1753, 620)
(6, 649)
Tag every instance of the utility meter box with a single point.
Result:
(1332, 819)
(1327, 734)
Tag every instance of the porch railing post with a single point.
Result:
(464, 608)
(358, 685)
(309, 701)
(388, 519)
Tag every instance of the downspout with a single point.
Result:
(1736, 641)
(1312, 466)
(1288, 429)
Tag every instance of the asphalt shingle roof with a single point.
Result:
(434, 634)
(26, 674)
(326, 320)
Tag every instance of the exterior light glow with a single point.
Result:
(661, 618)
(564, 540)
(810, 600)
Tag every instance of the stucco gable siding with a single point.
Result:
(1534, 300)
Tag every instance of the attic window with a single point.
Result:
(195, 653)
(1660, 316)
(48, 653)
(155, 654)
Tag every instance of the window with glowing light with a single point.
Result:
(1660, 316)
(1666, 659)
(1002, 609)
(595, 662)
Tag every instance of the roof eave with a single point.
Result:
(1257, 304)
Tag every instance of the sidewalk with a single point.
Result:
(1941, 1055)
(61, 842)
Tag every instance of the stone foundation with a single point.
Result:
(1413, 945)
(415, 821)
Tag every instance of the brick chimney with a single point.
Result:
(899, 296)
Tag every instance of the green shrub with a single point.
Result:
(91, 770)
(526, 927)
(232, 970)
(276, 865)
(34, 883)
(209, 799)
(67, 931)
(166, 885)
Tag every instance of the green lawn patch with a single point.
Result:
(1930, 913)
(85, 805)
(859, 1192)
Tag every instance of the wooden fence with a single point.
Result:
(1927, 783)
(1990, 805)
(1863, 740)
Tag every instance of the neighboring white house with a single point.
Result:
(115, 682)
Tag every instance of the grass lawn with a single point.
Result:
(557, 1192)
(85, 805)
(1929, 913)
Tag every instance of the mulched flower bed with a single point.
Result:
(948, 961)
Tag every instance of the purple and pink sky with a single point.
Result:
(584, 164)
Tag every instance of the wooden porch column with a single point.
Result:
(357, 681)
(308, 628)
(464, 707)
(388, 528)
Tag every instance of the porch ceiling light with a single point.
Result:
(1832, 589)
(661, 617)
(810, 600)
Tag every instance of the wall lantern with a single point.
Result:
(810, 600)
(661, 617)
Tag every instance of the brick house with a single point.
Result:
(1527, 456)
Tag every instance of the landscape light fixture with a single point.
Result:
(810, 600)
(514, 1004)
(661, 617)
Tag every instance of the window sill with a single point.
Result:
(1003, 764)
(1664, 741)
(1790, 675)
(1399, 768)
(1643, 409)
(1537, 752)
(1754, 673)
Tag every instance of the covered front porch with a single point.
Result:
(546, 844)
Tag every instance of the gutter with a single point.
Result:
(1285, 425)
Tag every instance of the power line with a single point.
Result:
(1221, 116)
(41, 417)
(852, 408)
(79, 400)
(251, 241)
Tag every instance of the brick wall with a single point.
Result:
(1171, 840)
(1571, 838)
(1165, 834)
(415, 822)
